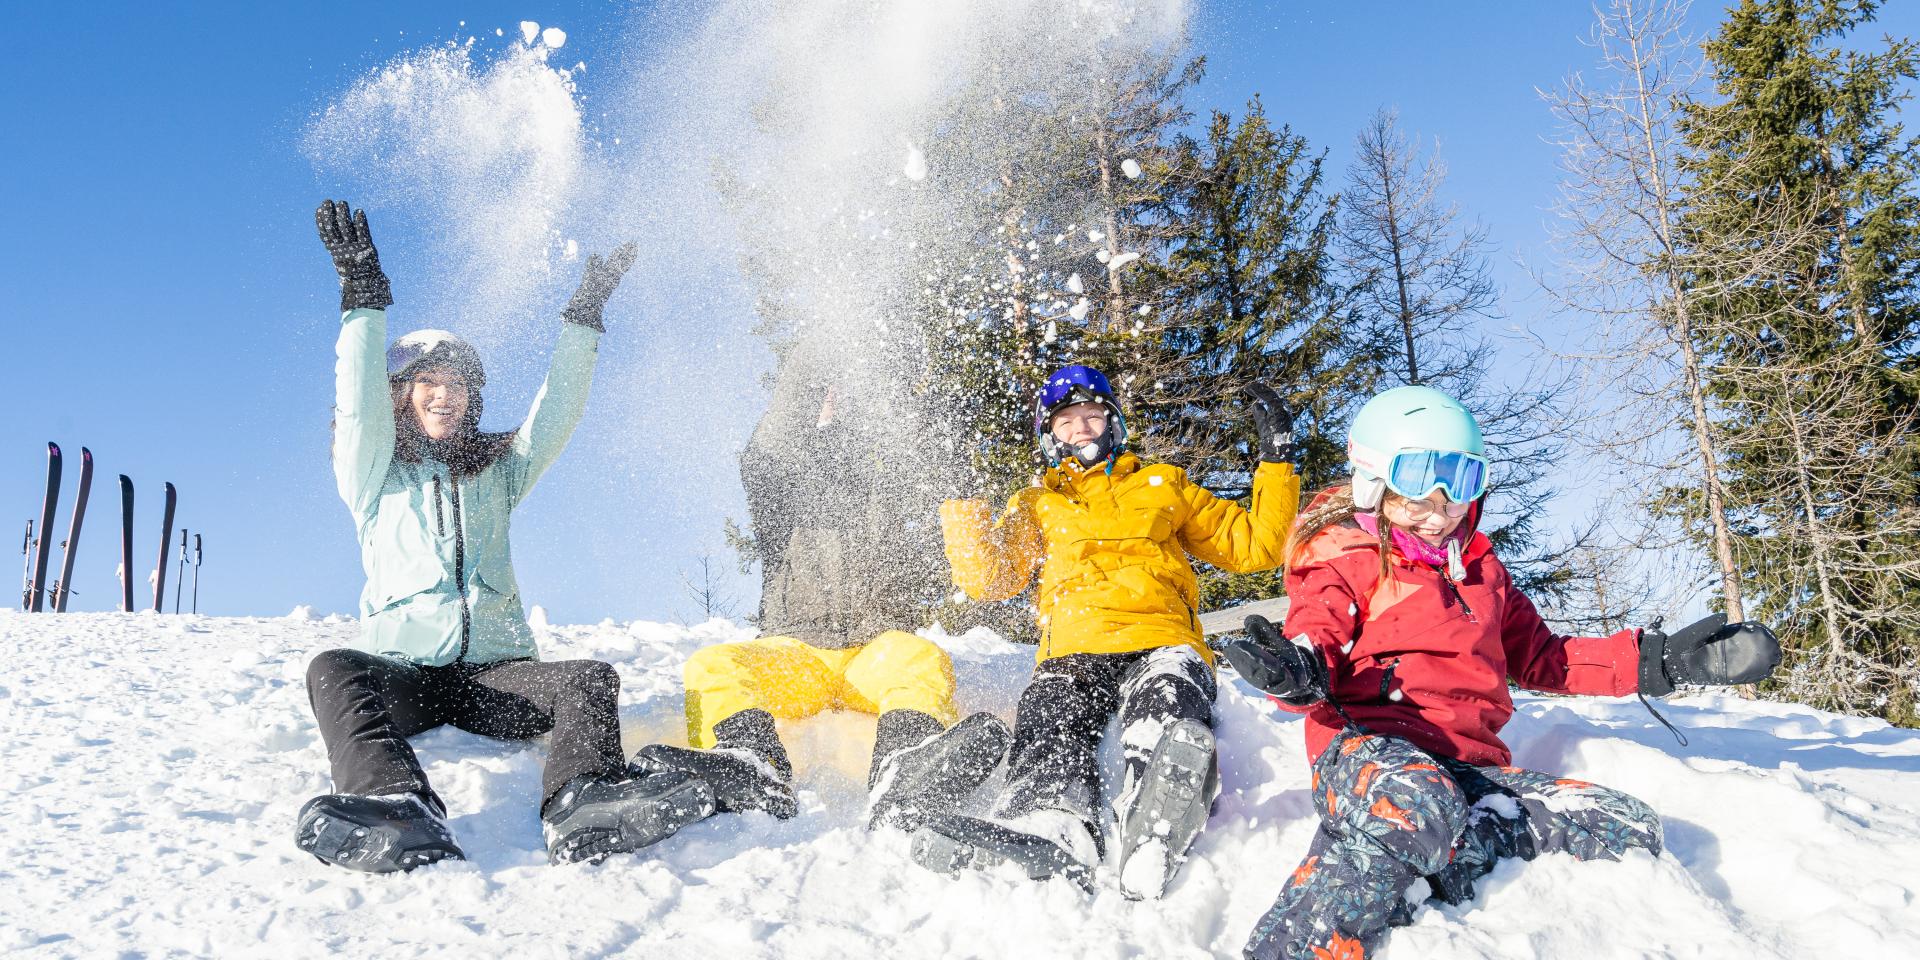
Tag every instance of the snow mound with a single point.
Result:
(154, 765)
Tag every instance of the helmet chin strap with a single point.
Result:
(1088, 455)
(1368, 491)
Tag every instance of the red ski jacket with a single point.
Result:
(1425, 659)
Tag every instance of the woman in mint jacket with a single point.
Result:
(443, 636)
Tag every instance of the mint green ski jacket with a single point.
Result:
(440, 584)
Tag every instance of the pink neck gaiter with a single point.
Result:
(1410, 546)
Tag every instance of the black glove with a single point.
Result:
(344, 231)
(1711, 652)
(596, 286)
(1272, 422)
(1274, 665)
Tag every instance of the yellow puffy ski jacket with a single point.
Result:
(1113, 548)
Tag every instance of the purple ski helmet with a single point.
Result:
(1066, 387)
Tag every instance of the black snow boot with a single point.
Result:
(1043, 844)
(384, 834)
(920, 771)
(747, 769)
(594, 817)
(1163, 811)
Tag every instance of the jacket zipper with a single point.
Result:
(439, 518)
(459, 564)
(1386, 680)
(1457, 595)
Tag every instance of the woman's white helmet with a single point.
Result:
(423, 348)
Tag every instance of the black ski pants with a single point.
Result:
(367, 705)
(1066, 707)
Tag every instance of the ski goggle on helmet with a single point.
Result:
(425, 348)
(1415, 440)
(1066, 387)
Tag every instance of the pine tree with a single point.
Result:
(1802, 238)
(1249, 297)
(1243, 295)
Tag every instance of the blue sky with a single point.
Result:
(171, 309)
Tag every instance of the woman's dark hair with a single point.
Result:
(466, 453)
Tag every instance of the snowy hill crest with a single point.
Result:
(153, 766)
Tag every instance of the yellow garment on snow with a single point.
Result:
(1112, 549)
(792, 679)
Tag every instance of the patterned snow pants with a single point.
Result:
(1392, 814)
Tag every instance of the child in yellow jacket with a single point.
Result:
(1113, 539)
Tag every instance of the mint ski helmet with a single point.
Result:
(1414, 440)
(423, 348)
(1066, 387)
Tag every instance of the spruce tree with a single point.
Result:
(1802, 236)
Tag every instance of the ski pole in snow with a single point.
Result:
(26, 575)
(180, 577)
(196, 573)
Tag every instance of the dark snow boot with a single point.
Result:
(594, 817)
(1165, 809)
(920, 771)
(747, 769)
(1043, 844)
(384, 834)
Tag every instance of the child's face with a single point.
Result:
(1432, 518)
(1080, 423)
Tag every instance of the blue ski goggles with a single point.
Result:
(1066, 381)
(1416, 473)
(1068, 386)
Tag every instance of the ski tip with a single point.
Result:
(86, 454)
(53, 449)
(169, 488)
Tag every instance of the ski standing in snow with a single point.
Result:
(444, 639)
(1406, 629)
(126, 544)
(1112, 538)
(43, 547)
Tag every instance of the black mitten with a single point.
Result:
(1292, 673)
(1272, 423)
(597, 284)
(350, 244)
(1710, 652)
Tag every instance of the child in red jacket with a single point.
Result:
(1406, 629)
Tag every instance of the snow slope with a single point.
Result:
(153, 766)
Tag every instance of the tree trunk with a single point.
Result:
(1699, 425)
(1400, 279)
(1830, 613)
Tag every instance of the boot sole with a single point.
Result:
(1174, 804)
(952, 843)
(334, 836)
(627, 827)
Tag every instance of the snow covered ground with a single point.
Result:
(153, 766)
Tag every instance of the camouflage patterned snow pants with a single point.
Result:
(1392, 813)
